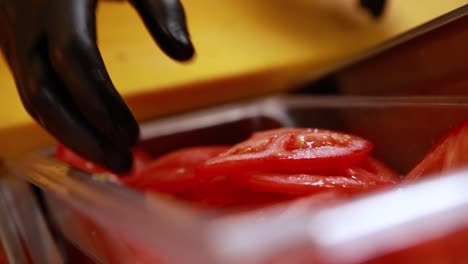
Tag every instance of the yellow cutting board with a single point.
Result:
(244, 48)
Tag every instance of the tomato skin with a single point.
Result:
(285, 148)
(140, 159)
(450, 152)
(174, 172)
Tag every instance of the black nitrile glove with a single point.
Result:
(51, 48)
(375, 7)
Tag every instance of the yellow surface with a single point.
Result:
(244, 48)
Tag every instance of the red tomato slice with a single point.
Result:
(374, 171)
(3, 258)
(174, 172)
(349, 180)
(289, 149)
(140, 159)
(68, 156)
(450, 152)
(299, 184)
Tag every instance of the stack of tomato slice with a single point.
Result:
(285, 163)
(275, 164)
(295, 162)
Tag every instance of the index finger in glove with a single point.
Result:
(76, 58)
(165, 20)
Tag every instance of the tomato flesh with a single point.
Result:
(140, 159)
(299, 184)
(174, 172)
(368, 175)
(299, 149)
(374, 171)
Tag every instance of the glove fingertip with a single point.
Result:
(166, 21)
(118, 161)
(375, 7)
(181, 47)
(131, 134)
(182, 51)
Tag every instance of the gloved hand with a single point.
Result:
(50, 46)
